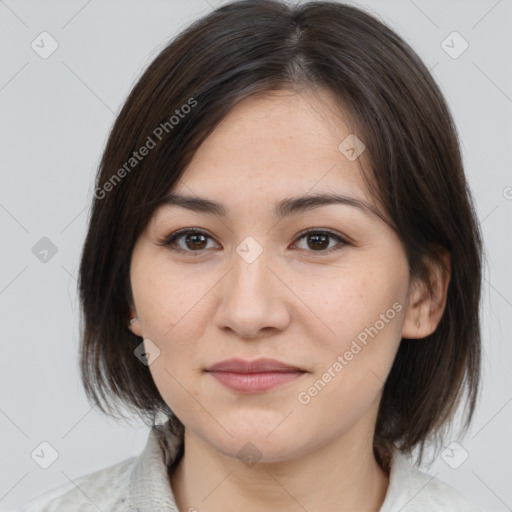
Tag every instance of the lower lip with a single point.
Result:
(255, 382)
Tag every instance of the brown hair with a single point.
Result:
(415, 171)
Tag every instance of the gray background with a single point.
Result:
(55, 116)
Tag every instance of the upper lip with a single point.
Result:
(256, 366)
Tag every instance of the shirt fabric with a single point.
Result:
(141, 484)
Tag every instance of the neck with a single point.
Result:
(341, 476)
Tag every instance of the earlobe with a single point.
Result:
(426, 308)
(134, 325)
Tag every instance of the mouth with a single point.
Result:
(254, 376)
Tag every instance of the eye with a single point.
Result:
(187, 240)
(318, 240)
(196, 241)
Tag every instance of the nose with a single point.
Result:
(253, 301)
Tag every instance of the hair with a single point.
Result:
(415, 171)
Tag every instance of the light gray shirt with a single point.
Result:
(141, 484)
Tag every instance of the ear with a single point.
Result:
(425, 309)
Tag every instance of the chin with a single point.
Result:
(267, 439)
(261, 449)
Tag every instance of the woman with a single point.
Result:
(283, 260)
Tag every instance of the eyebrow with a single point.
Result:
(283, 208)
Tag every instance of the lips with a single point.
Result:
(256, 366)
(254, 376)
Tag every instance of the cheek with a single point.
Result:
(363, 310)
(176, 371)
(351, 367)
(166, 299)
(169, 306)
(352, 300)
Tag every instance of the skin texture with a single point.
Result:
(295, 303)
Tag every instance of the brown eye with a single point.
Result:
(319, 241)
(190, 240)
(195, 241)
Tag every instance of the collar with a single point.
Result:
(149, 487)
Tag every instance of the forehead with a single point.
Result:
(277, 144)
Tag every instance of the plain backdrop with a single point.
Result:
(55, 115)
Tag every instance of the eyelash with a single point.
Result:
(170, 240)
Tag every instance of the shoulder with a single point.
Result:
(104, 489)
(433, 494)
(412, 490)
(137, 483)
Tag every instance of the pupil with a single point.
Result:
(195, 242)
(319, 241)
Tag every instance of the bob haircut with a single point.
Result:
(415, 172)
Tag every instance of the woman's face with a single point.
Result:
(247, 284)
